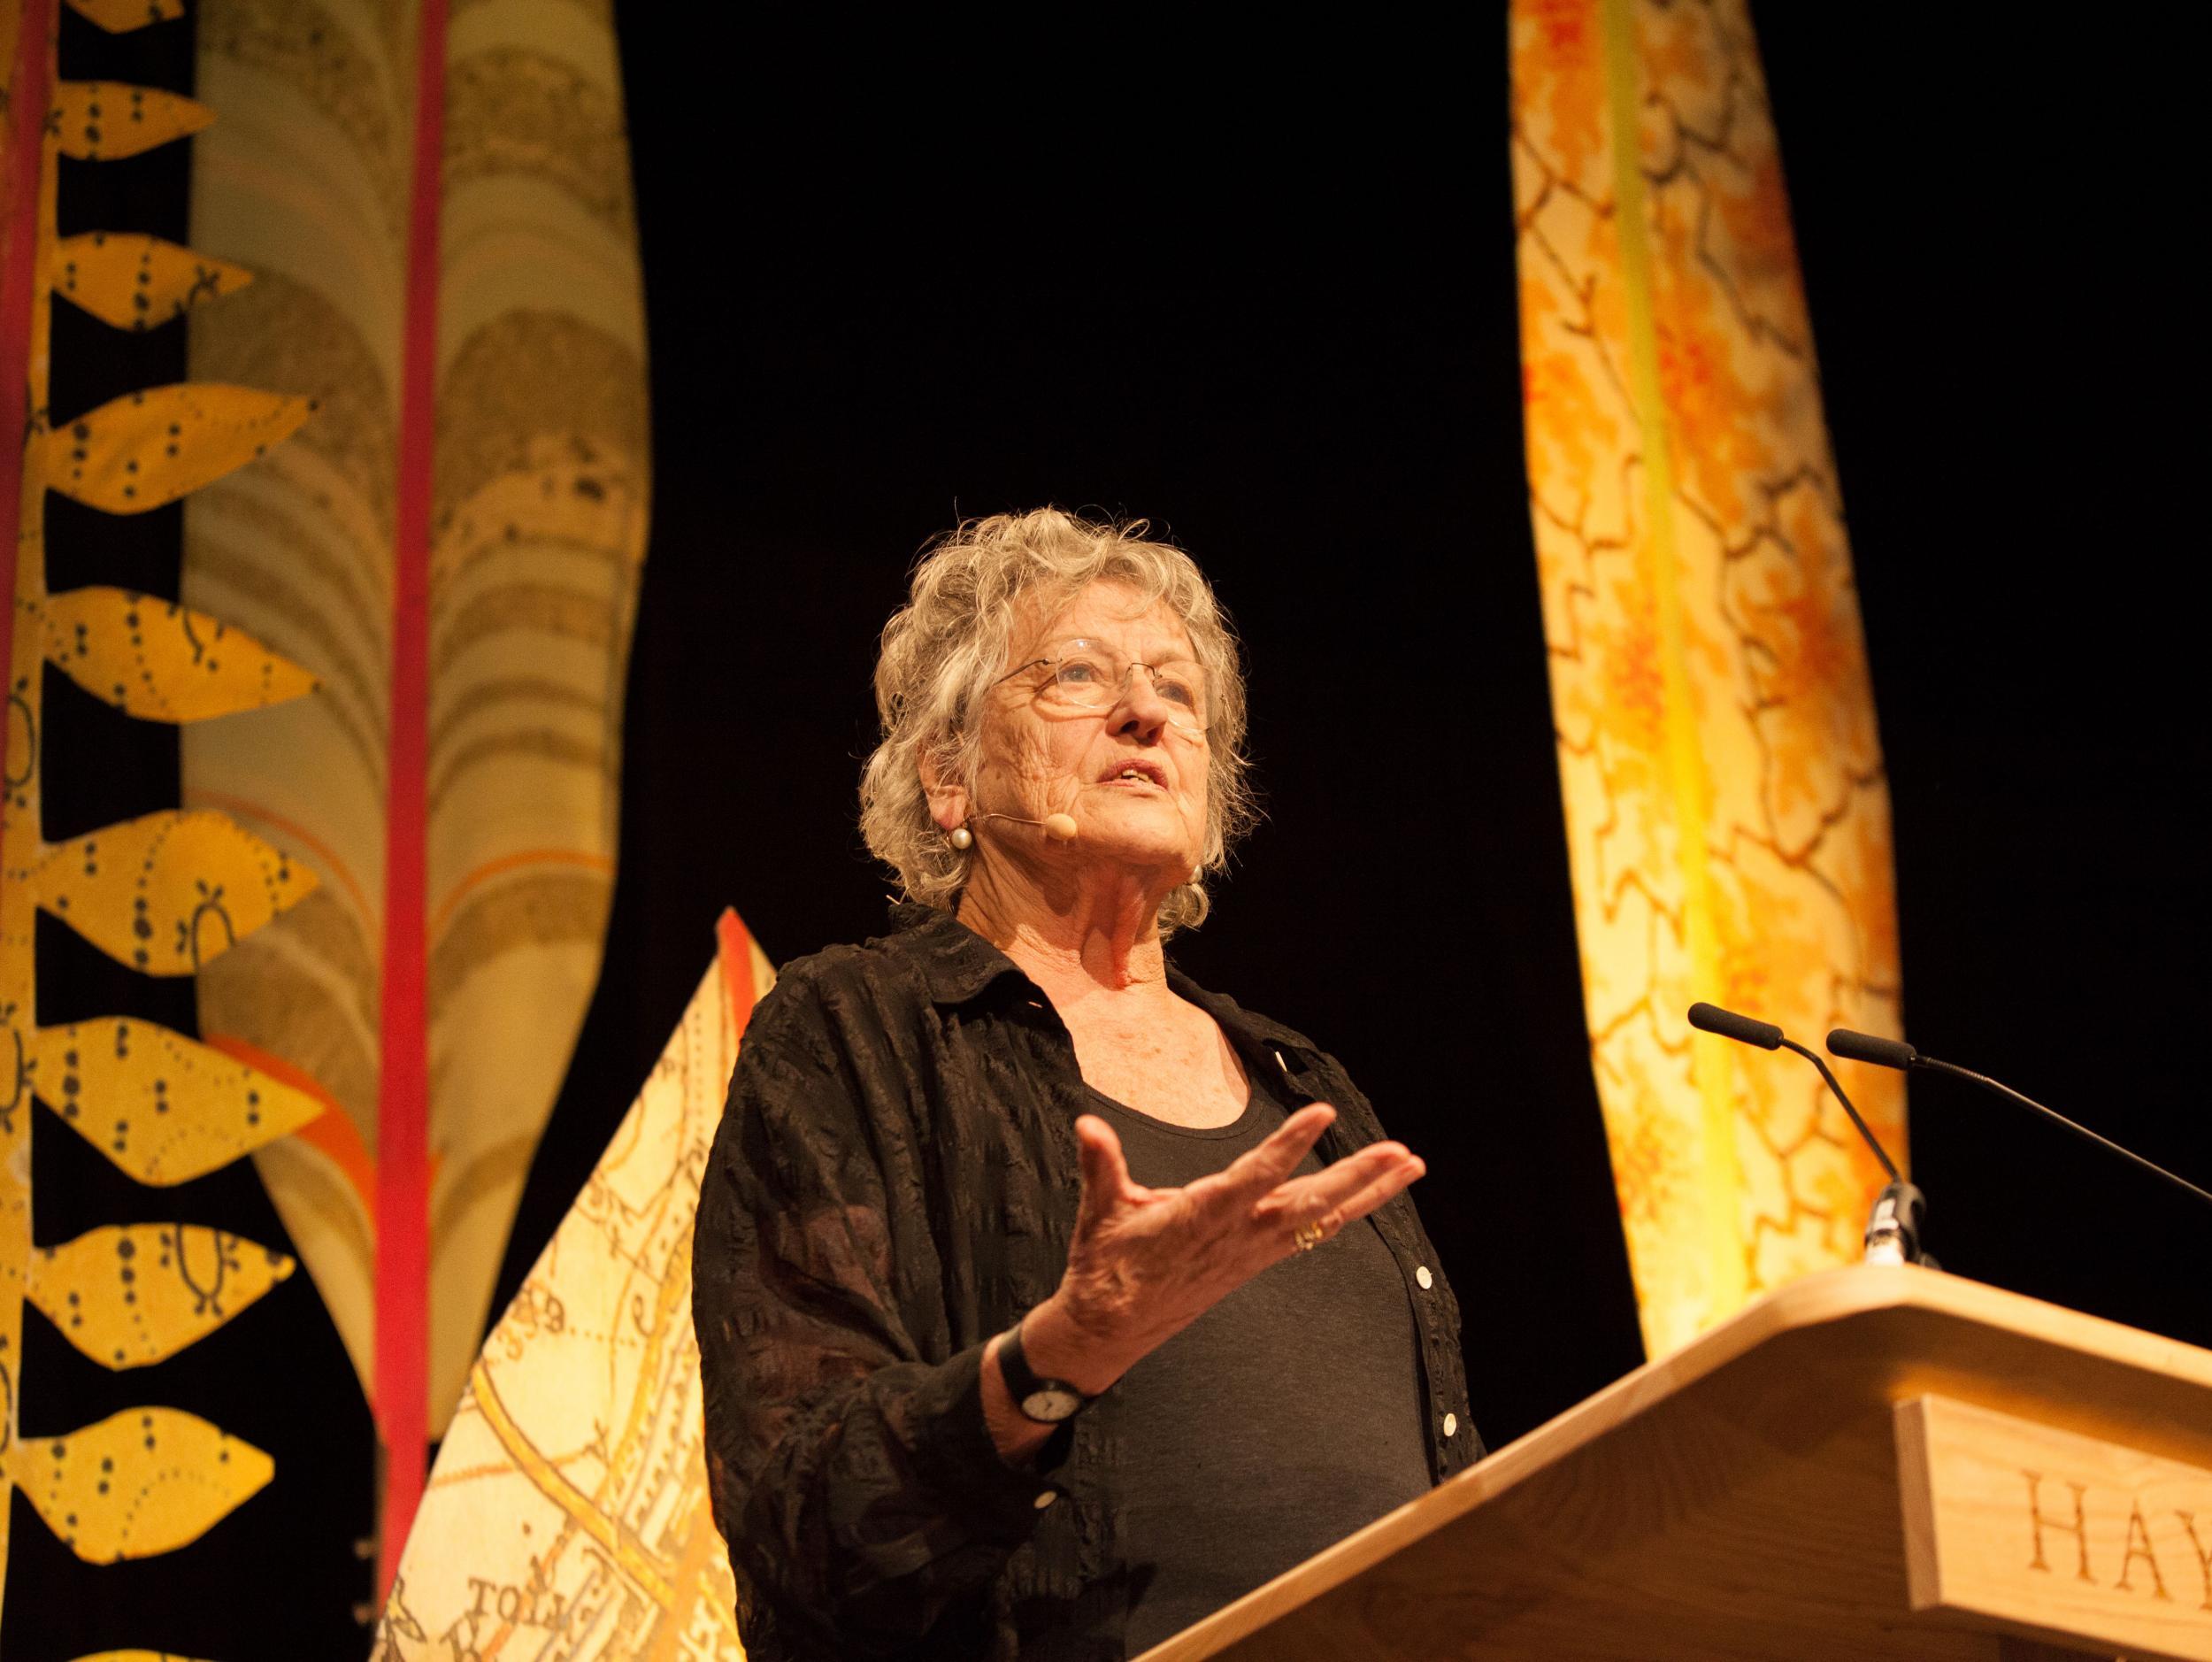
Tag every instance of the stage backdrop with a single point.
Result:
(1727, 817)
(162, 893)
(415, 417)
(436, 212)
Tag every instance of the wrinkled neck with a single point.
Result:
(1077, 935)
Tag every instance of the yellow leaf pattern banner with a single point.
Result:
(140, 1483)
(168, 892)
(161, 662)
(152, 447)
(130, 1294)
(119, 17)
(1727, 814)
(567, 1517)
(164, 1108)
(164, 894)
(138, 281)
(106, 121)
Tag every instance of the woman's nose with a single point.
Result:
(1141, 709)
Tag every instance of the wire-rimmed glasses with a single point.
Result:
(1085, 676)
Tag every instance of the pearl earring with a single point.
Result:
(961, 838)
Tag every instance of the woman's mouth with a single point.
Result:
(1134, 773)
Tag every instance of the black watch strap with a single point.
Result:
(1046, 1401)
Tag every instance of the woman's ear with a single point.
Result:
(947, 798)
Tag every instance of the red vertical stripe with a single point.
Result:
(31, 90)
(402, 1119)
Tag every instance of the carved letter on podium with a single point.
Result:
(2053, 1533)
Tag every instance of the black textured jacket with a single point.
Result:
(895, 1182)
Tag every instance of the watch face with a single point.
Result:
(1051, 1403)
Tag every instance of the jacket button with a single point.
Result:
(1451, 1428)
(1045, 1497)
(1423, 1276)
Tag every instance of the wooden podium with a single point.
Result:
(1872, 1463)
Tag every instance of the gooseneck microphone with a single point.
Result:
(1061, 828)
(1892, 1231)
(1866, 1047)
(1712, 1019)
(1767, 1036)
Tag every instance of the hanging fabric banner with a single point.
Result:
(568, 1519)
(164, 894)
(1727, 810)
(433, 201)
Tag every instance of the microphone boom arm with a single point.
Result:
(2057, 1118)
(1865, 1131)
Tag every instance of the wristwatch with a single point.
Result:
(1046, 1401)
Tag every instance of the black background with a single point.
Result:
(1263, 292)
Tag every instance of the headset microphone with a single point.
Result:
(1061, 828)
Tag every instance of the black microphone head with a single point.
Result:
(1712, 1019)
(1865, 1047)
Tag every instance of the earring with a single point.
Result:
(961, 838)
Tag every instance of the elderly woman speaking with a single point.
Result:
(1045, 1301)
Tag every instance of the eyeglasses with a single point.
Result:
(1086, 676)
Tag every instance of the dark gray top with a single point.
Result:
(896, 1182)
(1275, 1425)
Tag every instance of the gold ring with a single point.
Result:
(1310, 1235)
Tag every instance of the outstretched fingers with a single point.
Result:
(1378, 1192)
(1260, 1170)
(1345, 1191)
(1105, 1171)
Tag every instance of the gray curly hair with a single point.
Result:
(948, 645)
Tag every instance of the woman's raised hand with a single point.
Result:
(1146, 1263)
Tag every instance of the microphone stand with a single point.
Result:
(1901, 1210)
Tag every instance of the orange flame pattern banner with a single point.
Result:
(1726, 807)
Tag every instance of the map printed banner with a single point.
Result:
(1727, 813)
(567, 1519)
